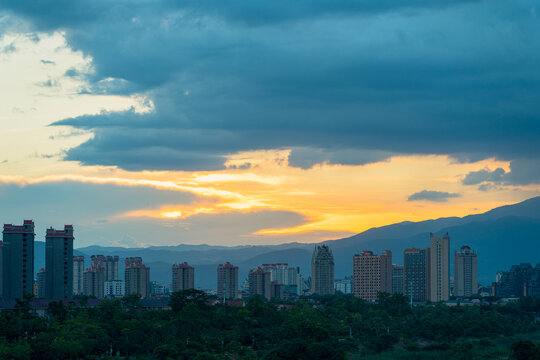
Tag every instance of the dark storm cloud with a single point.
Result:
(263, 12)
(69, 13)
(306, 158)
(429, 195)
(478, 177)
(339, 82)
(522, 172)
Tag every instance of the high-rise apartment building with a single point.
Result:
(288, 276)
(296, 284)
(97, 261)
(276, 290)
(78, 275)
(109, 265)
(322, 271)
(94, 282)
(183, 277)
(278, 272)
(293, 278)
(440, 267)
(111, 268)
(41, 278)
(465, 272)
(416, 274)
(260, 283)
(137, 277)
(397, 279)
(59, 263)
(372, 274)
(18, 260)
(227, 281)
(102, 269)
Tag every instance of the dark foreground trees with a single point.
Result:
(313, 328)
(525, 350)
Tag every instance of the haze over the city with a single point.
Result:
(160, 123)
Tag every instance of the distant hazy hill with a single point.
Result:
(503, 236)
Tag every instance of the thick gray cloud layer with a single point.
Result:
(522, 172)
(478, 177)
(341, 82)
(430, 195)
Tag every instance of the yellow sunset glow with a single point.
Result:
(172, 214)
(373, 195)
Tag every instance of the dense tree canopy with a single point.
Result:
(312, 328)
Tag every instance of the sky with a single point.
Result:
(248, 122)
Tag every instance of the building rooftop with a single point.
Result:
(183, 265)
(27, 227)
(258, 270)
(227, 265)
(66, 233)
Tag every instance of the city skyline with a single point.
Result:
(486, 272)
(425, 275)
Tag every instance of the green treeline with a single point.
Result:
(334, 327)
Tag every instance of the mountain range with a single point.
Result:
(502, 237)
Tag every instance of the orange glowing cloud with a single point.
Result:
(333, 198)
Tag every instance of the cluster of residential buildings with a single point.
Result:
(271, 281)
(424, 276)
(17, 255)
(520, 280)
(65, 275)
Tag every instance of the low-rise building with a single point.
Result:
(115, 288)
